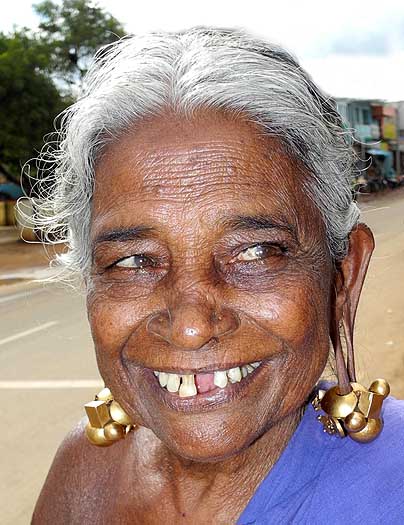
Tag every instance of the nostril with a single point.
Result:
(159, 325)
(216, 317)
(190, 326)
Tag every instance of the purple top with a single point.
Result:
(325, 479)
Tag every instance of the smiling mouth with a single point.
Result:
(190, 385)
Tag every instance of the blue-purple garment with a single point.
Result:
(325, 480)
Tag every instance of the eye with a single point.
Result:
(137, 261)
(258, 252)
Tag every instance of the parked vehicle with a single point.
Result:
(380, 173)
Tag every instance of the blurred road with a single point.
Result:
(48, 371)
(43, 336)
(380, 327)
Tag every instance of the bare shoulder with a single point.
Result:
(84, 479)
(74, 477)
(62, 480)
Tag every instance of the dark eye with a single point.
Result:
(258, 252)
(137, 261)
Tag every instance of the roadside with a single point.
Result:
(22, 261)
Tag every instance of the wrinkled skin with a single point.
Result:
(199, 193)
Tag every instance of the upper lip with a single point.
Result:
(203, 370)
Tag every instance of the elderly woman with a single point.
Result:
(203, 185)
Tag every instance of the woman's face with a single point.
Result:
(207, 256)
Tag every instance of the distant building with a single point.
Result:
(386, 117)
(377, 125)
(358, 116)
(399, 143)
(400, 116)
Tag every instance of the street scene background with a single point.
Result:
(47, 363)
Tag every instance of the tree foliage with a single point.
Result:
(38, 71)
(73, 31)
(29, 99)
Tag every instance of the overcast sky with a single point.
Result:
(351, 48)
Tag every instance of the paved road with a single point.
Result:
(44, 337)
(380, 328)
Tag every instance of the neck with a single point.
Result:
(235, 479)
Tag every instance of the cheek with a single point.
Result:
(302, 316)
(112, 321)
(294, 311)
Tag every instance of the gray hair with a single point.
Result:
(139, 76)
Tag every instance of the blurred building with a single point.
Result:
(357, 115)
(378, 127)
(398, 144)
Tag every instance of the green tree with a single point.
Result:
(38, 71)
(29, 99)
(73, 31)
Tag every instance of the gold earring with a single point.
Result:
(356, 414)
(108, 422)
(351, 409)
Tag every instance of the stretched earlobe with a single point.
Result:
(350, 408)
(353, 270)
(348, 285)
(355, 265)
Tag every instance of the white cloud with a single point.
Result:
(359, 76)
(19, 13)
(314, 31)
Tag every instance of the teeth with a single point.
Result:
(163, 379)
(220, 378)
(185, 384)
(234, 374)
(173, 383)
(187, 387)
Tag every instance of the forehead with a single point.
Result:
(207, 166)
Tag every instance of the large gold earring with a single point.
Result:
(350, 408)
(107, 421)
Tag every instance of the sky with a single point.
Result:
(351, 48)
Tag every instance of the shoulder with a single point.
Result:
(371, 475)
(63, 479)
(385, 454)
(84, 479)
(74, 479)
(387, 450)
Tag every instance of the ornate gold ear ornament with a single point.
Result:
(356, 414)
(107, 421)
(350, 408)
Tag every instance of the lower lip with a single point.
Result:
(209, 400)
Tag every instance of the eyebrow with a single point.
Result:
(123, 234)
(239, 222)
(259, 222)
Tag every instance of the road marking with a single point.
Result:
(21, 294)
(376, 209)
(56, 384)
(28, 332)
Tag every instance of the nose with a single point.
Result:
(191, 325)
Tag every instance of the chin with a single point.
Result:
(205, 442)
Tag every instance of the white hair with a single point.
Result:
(139, 76)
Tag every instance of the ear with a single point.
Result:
(353, 270)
